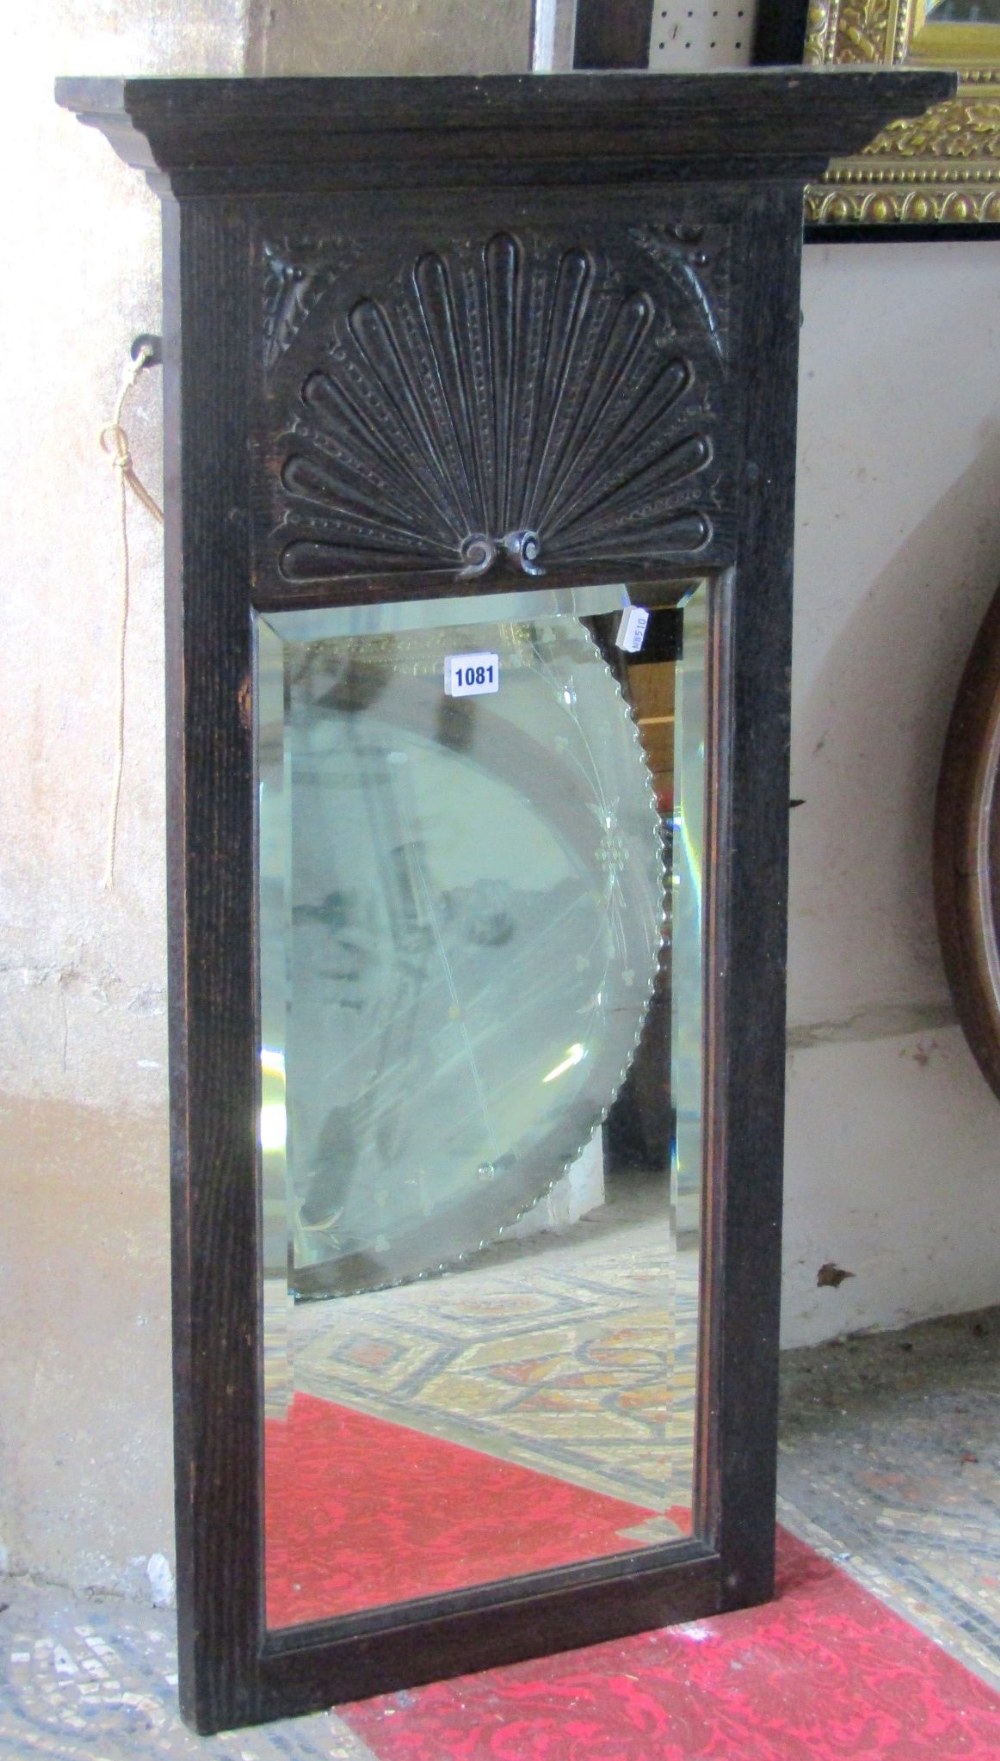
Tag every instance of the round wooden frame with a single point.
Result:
(967, 849)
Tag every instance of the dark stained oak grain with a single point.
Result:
(612, 33)
(780, 32)
(281, 135)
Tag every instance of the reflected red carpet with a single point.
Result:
(361, 1512)
(824, 1673)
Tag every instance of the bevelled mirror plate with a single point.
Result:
(481, 851)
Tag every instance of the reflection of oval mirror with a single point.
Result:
(465, 949)
(967, 849)
(467, 903)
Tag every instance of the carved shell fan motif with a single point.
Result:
(500, 409)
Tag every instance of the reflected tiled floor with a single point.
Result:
(562, 1363)
(890, 1462)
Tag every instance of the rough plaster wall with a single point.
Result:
(389, 36)
(75, 962)
(84, 1374)
(893, 1152)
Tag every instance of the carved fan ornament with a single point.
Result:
(498, 408)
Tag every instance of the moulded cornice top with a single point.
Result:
(246, 136)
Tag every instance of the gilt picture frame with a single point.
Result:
(938, 169)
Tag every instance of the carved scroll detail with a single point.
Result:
(295, 279)
(501, 406)
(681, 252)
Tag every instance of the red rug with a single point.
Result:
(360, 1512)
(824, 1673)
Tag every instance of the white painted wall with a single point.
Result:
(893, 1150)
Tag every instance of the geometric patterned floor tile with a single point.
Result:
(890, 1462)
(95, 1679)
(576, 1365)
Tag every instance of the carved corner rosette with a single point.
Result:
(497, 407)
(943, 166)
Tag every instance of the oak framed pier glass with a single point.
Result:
(479, 427)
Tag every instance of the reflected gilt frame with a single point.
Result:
(942, 167)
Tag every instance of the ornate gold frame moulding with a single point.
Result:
(943, 166)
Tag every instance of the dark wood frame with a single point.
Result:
(223, 153)
(612, 33)
(780, 32)
(967, 849)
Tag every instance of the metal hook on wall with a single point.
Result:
(147, 350)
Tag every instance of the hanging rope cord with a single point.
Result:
(114, 441)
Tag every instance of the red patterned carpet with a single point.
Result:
(824, 1673)
(361, 1511)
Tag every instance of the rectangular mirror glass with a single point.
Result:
(481, 857)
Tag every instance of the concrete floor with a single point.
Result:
(890, 1463)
